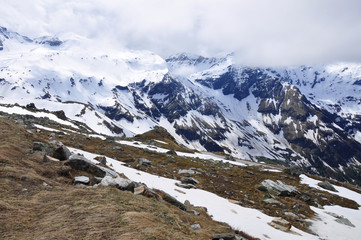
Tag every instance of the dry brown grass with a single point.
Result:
(31, 210)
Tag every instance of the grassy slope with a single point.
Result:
(31, 210)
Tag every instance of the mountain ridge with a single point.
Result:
(208, 104)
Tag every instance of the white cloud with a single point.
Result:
(261, 32)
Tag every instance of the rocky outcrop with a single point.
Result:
(189, 180)
(279, 188)
(171, 200)
(118, 182)
(147, 192)
(281, 224)
(327, 185)
(81, 163)
(62, 153)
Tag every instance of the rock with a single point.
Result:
(281, 224)
(305, 198)
(101, 159)
(185, 171)
(187, 186)
(250, 172)
(144, 162)
(293, 170)
(345, 221)
(60, 114)
(327, 185)
(47, 158)
(279, 188)
(290, 214)
(81, 163)
(196, 226)
(97, 180)
(195, 212)
(189, 180)
(187, 203)
(38, 146)
(272, 201)
(171, 200)
(147, 192)
(224, 236)
(81, 179)
(62, 153)
(109, 172)
(120, 183)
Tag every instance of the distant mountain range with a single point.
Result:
(309, 116)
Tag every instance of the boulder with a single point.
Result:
(281, 224)
(81, 179)
(224, 236)
(279, 188)
(81, 163)
(345, 221)
(38, 146)
(62, 153)
(147, 192)
(101, 159)
(144, 162)
(118, 182)
(189, 180)
(293, 170)
(171, 200)
(327, 185)
(109, 172)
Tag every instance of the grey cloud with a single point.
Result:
(260, 32)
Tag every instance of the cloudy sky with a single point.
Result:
(260, 32)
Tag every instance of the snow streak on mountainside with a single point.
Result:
(308, 116)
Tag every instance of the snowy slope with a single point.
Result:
(249, 220)
(308, 116)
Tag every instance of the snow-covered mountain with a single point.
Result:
(307, 116)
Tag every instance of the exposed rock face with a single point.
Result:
(189, 180)
(279, 188)
(171, 200)
(327, 185)
(147, 192)
(81, 163)
(118, 182)
(281, 224)
(62, 153)
(1, 45)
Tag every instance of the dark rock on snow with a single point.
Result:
(279, 188)
(327, 185)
